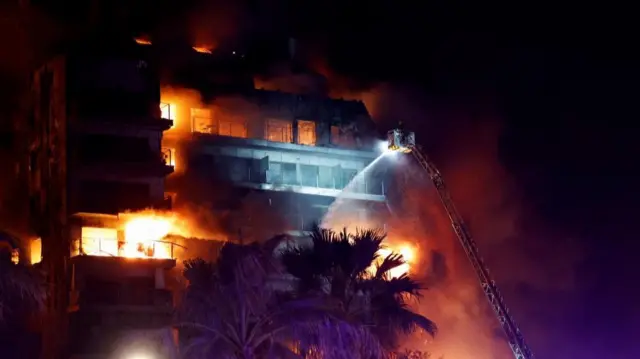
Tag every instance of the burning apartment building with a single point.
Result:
(272, 162)
(114, 144)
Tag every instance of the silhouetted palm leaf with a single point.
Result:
(240, 315)
(342, 261)
(393, 260)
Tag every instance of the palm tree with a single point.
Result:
(231, 311)
(339, 264)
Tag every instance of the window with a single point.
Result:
(341, 138)
(168, 111)
(306, 133)
(98, 241)
(349, 175)
(202, 120)
(232, 127)
(309, 175)
(36, 251)
(279, 131)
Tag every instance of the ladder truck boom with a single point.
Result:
(398, 141)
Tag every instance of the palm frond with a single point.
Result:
(379, 301)
(402, 285)
(412, 321)
(393, 260)
(247, 315)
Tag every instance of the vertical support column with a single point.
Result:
(294, 131)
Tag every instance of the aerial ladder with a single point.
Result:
(399, 141)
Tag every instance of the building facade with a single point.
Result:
(94, 150)
(108, 134)
(275, 162)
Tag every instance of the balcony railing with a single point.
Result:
(295, 178)
(111, 247)
(168, 156)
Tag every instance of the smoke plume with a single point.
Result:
(528, 261)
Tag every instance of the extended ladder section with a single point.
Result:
(514, 336)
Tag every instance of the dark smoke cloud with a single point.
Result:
(530, 262)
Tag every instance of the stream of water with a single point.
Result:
(345, 211)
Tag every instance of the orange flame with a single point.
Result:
(203, 49)
(141, 41)
(142, 235)
(409, 254)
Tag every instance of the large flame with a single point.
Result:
(141, 235)
(409, 254)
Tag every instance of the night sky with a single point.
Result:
(561, 80)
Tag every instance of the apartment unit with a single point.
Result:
(94, 151)
(275, 162)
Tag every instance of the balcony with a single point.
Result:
(111, 247)
(296, 181)
(169, 156)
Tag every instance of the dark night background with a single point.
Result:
(560, 78)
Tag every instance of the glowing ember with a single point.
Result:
(202, 49)
(141, 41)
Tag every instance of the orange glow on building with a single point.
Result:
(144, 236)
(35, 249)
(141, 235)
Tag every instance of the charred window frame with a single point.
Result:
(341, 138)
(309, 175)
(232, 127)
(306, 133)
(202, 121)
(279, 131)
